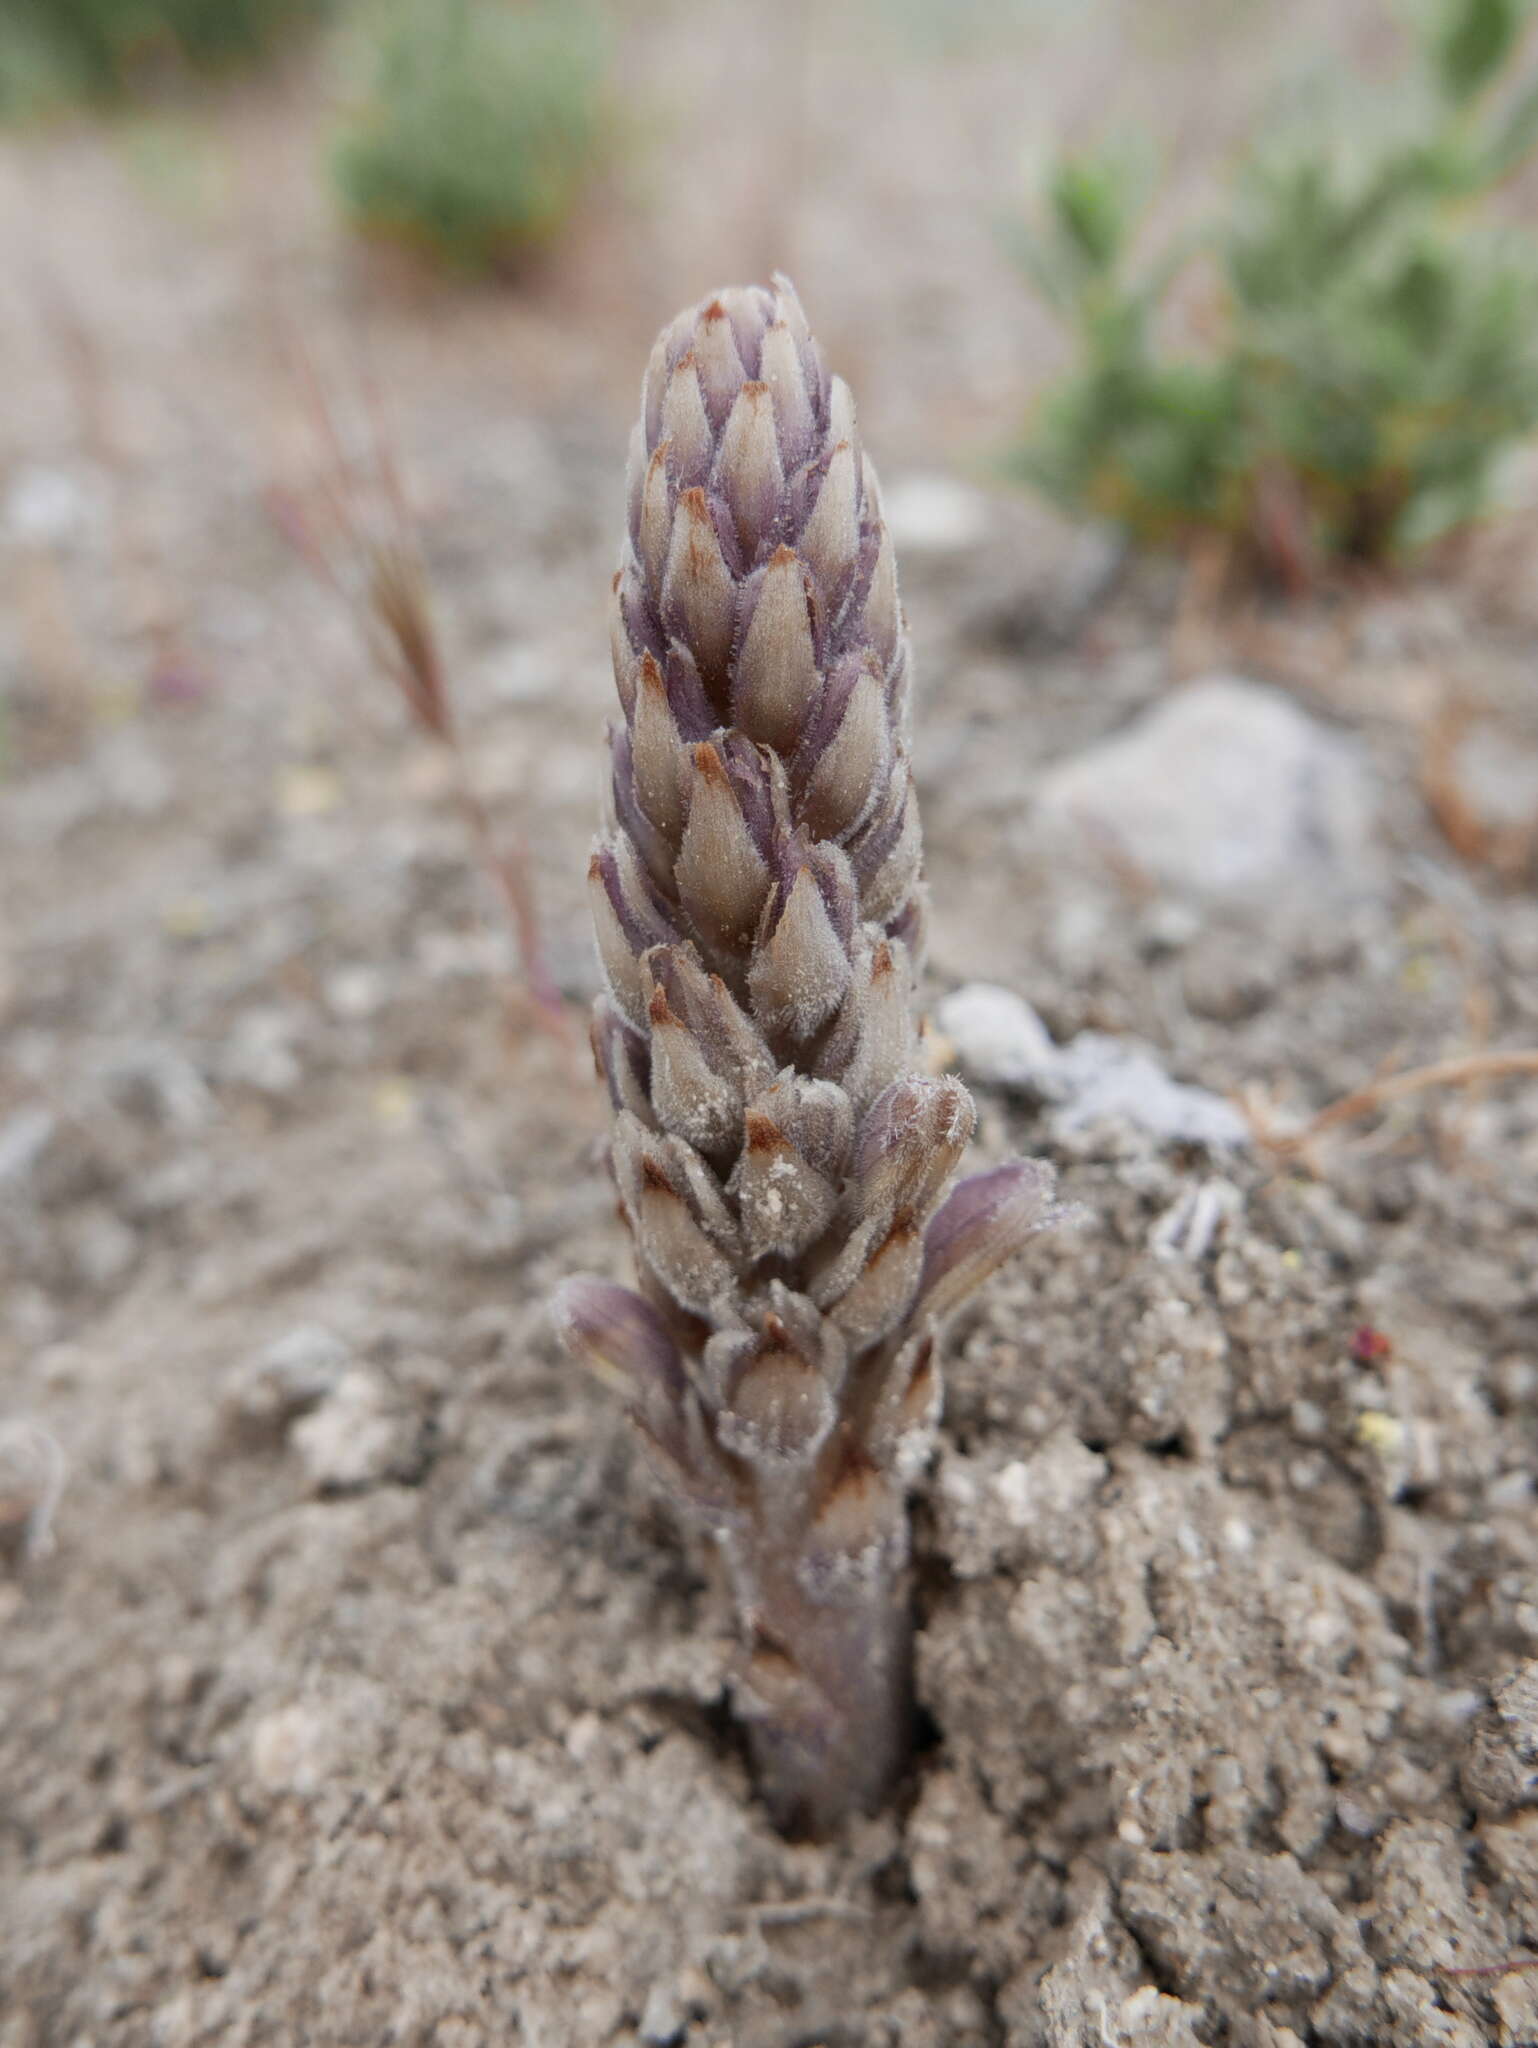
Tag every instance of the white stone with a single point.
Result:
(46, 507)
(358, 1436)
(1154, 2017)
(1000, 1042)
(261, 1052)
(299, 1747)
(355, 992)
(998, 1037)
(1226, 789)
(929, 513)
(292, 1749)
(1118, 1080)
(287, 1376)
(1054, 1485)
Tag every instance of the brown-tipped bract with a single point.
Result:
(758, 902)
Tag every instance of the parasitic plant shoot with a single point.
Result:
(781, 1161)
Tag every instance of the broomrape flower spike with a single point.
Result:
(759, 905)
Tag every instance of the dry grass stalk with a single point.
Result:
(353, 526)
(782, 1159)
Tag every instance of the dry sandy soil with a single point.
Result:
(359, 1691)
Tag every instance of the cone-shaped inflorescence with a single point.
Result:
(782, 1167)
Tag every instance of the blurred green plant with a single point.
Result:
(480, 129)
(1367, 342)
(56, 51)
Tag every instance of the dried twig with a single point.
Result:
(1378, 1094)
(1508, 849)
(1462, 828)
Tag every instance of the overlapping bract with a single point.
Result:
(758, 903)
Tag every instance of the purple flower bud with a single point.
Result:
(616, 1334)
(910, 1144)
(776, 677)
(623, 1060)
(984, 1221)
(723, 879)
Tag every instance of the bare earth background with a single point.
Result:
(365, 1695)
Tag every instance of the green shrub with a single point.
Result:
(54, 50)
(480, 129)
(1373, 343)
